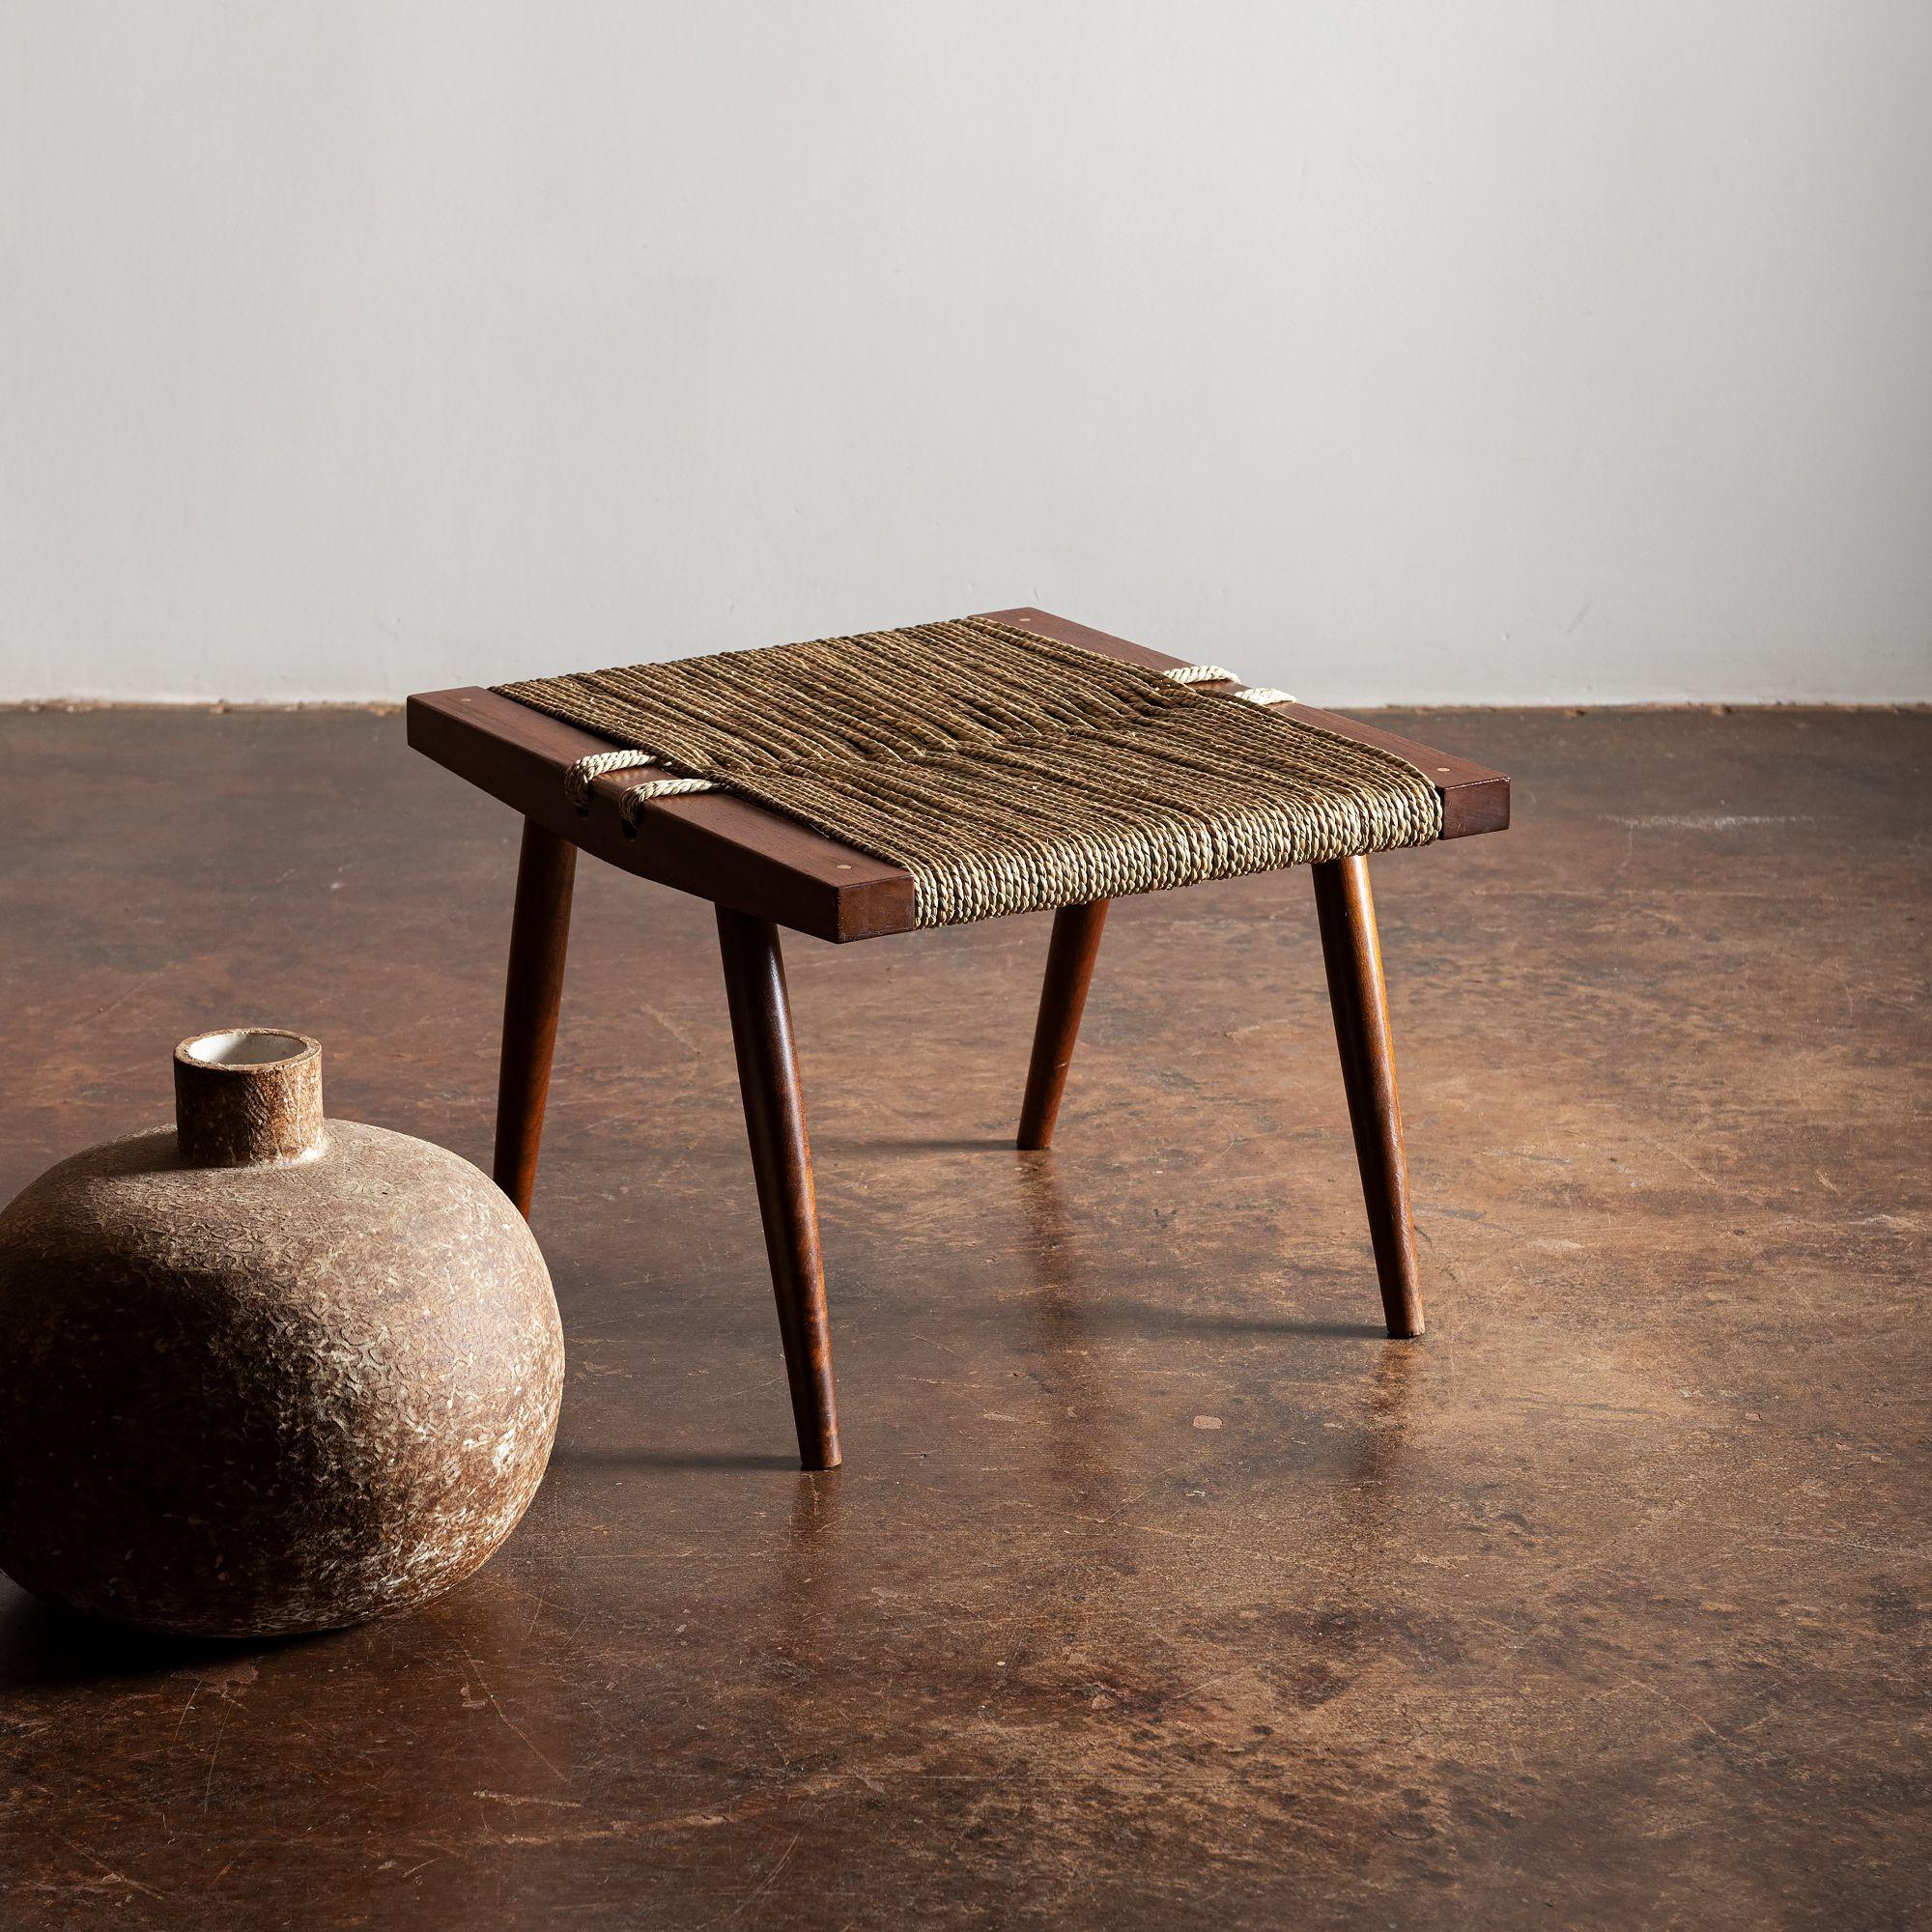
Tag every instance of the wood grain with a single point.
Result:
(1063, 997)
(710, 844)
(768, 1082)
(539, 938)
(1351, 952)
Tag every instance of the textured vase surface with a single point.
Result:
(262, 1373)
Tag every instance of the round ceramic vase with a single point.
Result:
(262, 1373)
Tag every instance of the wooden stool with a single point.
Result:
(763, 871)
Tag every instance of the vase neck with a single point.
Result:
(247, 1097)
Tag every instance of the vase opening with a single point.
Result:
(248, 1094)
(246, 1046)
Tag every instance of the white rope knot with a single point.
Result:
(576, 780)
(631, 804)
(1214, 675)
(577, 783)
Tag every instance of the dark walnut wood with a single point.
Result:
(737, 854)
(709, 844)
(1062, 995)
(1352, 950)
(755, 986)
(539, 936)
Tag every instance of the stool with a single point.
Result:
(764, 871)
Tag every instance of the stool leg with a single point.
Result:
(539, 933)
(755, 986)
(1070, 966)
(1353, 955)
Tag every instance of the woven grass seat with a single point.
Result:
(930, 775)
(1004, 770)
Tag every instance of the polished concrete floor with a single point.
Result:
(1158, 1590)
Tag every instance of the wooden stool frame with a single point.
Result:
(763, 871)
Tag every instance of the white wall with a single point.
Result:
(1510, 350)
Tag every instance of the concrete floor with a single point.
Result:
(1158, 1589)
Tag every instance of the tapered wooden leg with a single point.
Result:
(539, 934)
(1070, 966)
(1354, 954)
(754, 985)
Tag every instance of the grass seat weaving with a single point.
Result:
(1005, 771)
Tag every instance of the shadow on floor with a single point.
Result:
(1146, 1318)
(987, 1144)
(670, 1459)
(42, 1646)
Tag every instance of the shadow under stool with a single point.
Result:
(763, 872)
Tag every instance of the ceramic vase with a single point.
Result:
(264, 1373)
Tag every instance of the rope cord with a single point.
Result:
(1006, 771)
